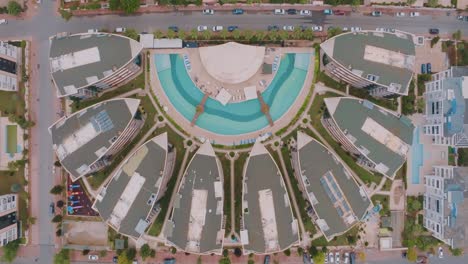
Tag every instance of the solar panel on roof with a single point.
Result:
(104, 121)
(340, 212)
(346, 206)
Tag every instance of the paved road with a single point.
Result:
(46, 23)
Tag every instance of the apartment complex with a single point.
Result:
(446, 108)
(196, 224)
(338, 201)
(380, 62)
(9, 228)
(380, 139)
(126, 202)
(84, 64)
(86, 140)
(445, 208)
(9, 69)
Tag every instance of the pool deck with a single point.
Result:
(433, 155)
(236, 89)
(6, 157)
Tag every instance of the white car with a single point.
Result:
(202, 28)
(93, 30)
(217, 28)
(3, 21)
(326, 259)
(400, 14)
(345, 29)
(93, 257)
(208, 12)
(380, 29)
(317, 28)
(346, 257)
(331, 258)
(337, 257)
(279, 12)
(288, 28)
(414, 14)
(305, 13)
(441, 252)
(120, 30)
(356, 29)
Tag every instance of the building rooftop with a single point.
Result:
(384, 58)
(80, 60)
(268, 223)
(381, 136)
(456, 208)
(197, 216)
(84, 137)
(126, 201)
(337, 199)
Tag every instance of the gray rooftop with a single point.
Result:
(388, 137)
(80, 60)
(349, 50)
(456, 208)
(84, 137)
(262, 176)
(129, 197)
(196, 222)
(322, 175)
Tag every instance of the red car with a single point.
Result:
(339, 13)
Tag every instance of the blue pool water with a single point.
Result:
(417, 157)
(233, 118)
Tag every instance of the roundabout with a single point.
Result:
(232, 104)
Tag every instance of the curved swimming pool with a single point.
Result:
(232, 118)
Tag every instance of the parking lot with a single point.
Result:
(78, 202)
(425, 54)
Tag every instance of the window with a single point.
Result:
(437, 228)
(438, 206)
(437, 183)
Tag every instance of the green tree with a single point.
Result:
(225, 252)
(319, 258)
(412, 254)
(236, 34)
(410, 2)
(457, 35)
(283, 35)
(57, 163)
(131, 33)
(182, 34)
(194, 34)
(103, 253)
(14, 8)
(251, 261)
(114, 4)
(173, 250)
(158, 34)
(287, 252)
(334, 31)
(225, 260)
(10, 251)
(129, 6)
(170, 34)
(57, 219)
(62, 257)
(206, 34)
(145, 251)
(122, 259)
(247, 34)
(355, 3)
(85, 252)
(300, 251)
(456, 251)
(434, 41)
(297, 33)
(57, 189)
(224, 33)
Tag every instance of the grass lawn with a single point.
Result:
(227, 189)
(316, 112)
(238, 176)
(138, 82)
(330, 82)
(96, 179)
(384, 200)
(7, 179)
(12, 136)
(178, 143)
(348, 238)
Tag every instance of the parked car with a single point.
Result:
(238, 11)
(217, 28)
(169, 261)
(279, 12)
(356, 29)
(173, 28)
(346, 258)
(51, 208)
(337, 257)
(208, 11)
(400, 14)
(273, 28)
(292, 11)
(115, 259)
(339, 13)
(414, 14)
(441, 252)
(317, 28)
(93, 257)
(345, 29)
(380, 29)
(202, 28)
(434, 31)
(3, 21)
(376, 13)
(331, 258)
(93, 30)
(266, 260)
(305, 13)
(423, 68)
(232, 28)
(429, 68)
(328, 12)
(288, 28)
(326, 259)
(120, 30)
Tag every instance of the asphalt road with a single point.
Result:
(46, 23)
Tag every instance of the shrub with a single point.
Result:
(14, 8)
(10, 251)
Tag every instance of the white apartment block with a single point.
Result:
(8, 218)
(445, 211)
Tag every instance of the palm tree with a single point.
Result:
(283, 35)
(308, 34)
(297, 34)
(248, 34)
(170, 34)
(223, 34)
(206, 34)
(194, 34)
(272, 35)
(182, 34)
(236, 34)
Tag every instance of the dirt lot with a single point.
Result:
(425, 54)
(85, 233)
